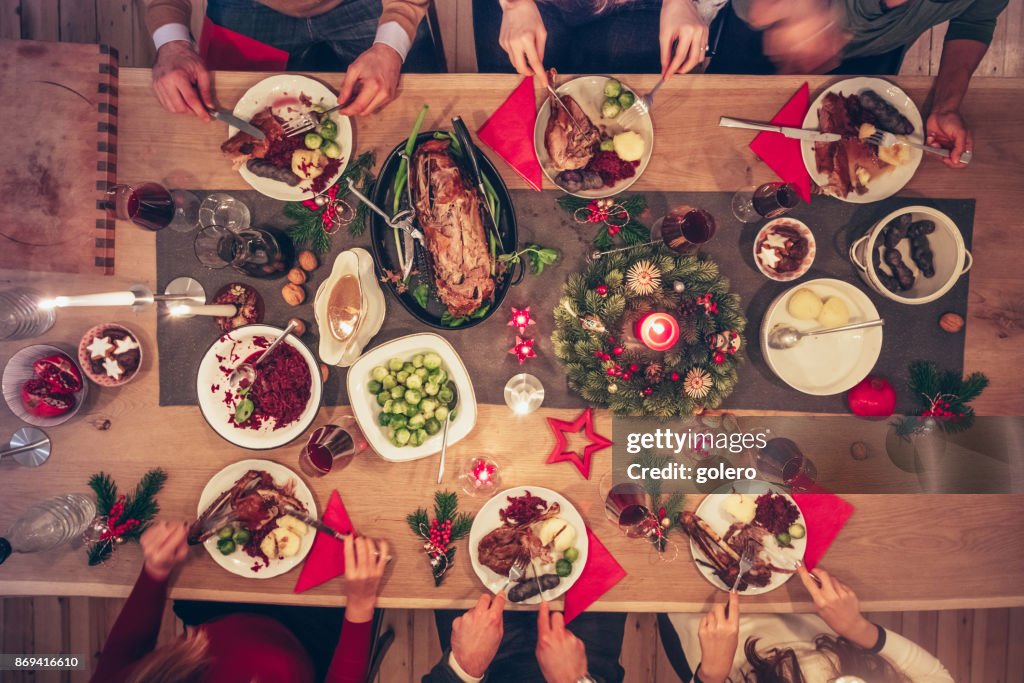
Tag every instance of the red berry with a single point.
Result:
(648, 391)
(674, 376)
(634, 367)
(617, 350)
(602, 290)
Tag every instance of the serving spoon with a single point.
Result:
(786, 337)
(447, 421)
(245, 374)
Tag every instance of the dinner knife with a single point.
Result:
(317, 524)
(788, 131)
(241, 124)
(466, 142)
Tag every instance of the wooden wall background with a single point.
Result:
(974, 644)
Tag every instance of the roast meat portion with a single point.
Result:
(241, 147)
(448, 209)
(570, 144)
(500, 549)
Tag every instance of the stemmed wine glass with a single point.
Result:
(767, 201)
(148, 205)
(629, 506)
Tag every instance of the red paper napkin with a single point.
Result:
(509, 132)
(326, 559)
(782, 154)
(825, 514)
(222, 48)
(601, 572)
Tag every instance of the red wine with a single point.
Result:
(774, 199)
(687, 228)
(148, 205)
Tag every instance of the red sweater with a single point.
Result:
(244, 648)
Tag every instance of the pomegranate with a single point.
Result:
(60, 373)
(40, 400)
(873, 396)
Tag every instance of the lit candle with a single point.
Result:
(101, 299)
(657, 331)
(217, 310)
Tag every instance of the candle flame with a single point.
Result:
(180, 309)
(658, 327)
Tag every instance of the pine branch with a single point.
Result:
(419, 522)
(142, 504)
(445, 504)
(100, 552)
(106, 491)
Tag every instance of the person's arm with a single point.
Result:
(181, 81)
(912, 660)
(365, 562)
(399, 21)
(719, 633)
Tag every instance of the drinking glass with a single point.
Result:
(781, 461)
(331, 448)
(258, 252)
(481, 475)
(186, 211)
(685, 228)
(224, 210)
(20, 314)
(524, 393)
(148, 205)
(628, 506)
(767, 201)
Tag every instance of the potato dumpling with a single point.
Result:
(629, 146)
(834, 313)
(560, 532)
(804, 304)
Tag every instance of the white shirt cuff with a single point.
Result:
(169, 33)
(456, 669)
(394, 36)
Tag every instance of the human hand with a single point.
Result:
(837, 606)
(176, 73)
(477, 634)
(719, 634)
(372, 80)
(365, 561)
(164, 547)
(523, 37)
(947, 129)
(561, 655)
(683, 28)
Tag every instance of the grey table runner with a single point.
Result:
(911, 333)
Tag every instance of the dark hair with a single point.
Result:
(782, 666)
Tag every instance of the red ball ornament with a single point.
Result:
(634, 367)
(648, 391)
(674, 376)
(719, 358)
(627, 375)
(874, 396)
(611, 372)
(617, 350)
(602, 290)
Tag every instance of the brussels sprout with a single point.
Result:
(398, 421)
(373, 386)
(383, 397)
(313, 141)
(388, 382)
(395, 364)
(402, 376)
(412, 409)
(445, 395)
(241, 537)
(431, 361)
(417, 360)
(441, 414)
(384, 419)
(414, 382)
(226, 546)
(331, 150)
(608, 145)
(414, 438)
(328, 129)
(402, 437)
(388, 404)
(431, 389)
(397, 391)
(420, 436)
(379, 373)
(409, 367)
(318, 108)
(612, 88)
(626, 99)
(422, 373)
(417, 421)
(428, 405)
(572, 554)
(610, 109)
(413, 397)
(563, 567)
(399, 407)
(439, 377)
(225, 532)
(432, 426)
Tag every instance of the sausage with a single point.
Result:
(887, 116)
(527, 588)
(265, 169)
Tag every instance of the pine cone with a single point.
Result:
(687, 308)
(654, 371)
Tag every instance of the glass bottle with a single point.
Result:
(265, 253)
(48, 524)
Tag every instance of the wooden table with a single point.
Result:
(900, 552)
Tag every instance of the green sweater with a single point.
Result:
(876, 30)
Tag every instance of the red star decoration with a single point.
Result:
(523, 349)
(521, 318)
(560, 453)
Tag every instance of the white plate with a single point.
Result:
(239, 562)
(892, 182)
(234, 347)
(19, 370)
(284, 87)
(344, 354)
(710, 510)
(366, 410)
(588, 91)
(487, 520)
(832, 363)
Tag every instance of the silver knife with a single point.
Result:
(788, 131)
(317, 524)
(241, 124)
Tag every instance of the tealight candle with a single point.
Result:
(524, 393)
(217, 310)
(657, 331)
(481, 476)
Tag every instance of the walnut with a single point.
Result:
(951, 322)
(297, 276)
(293, 294)
(300, 327)
(308, 260)
(859, 450)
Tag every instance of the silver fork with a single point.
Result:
(306, 121)
(643, 106)
(883, 138)
(746, 562)
(515, 572)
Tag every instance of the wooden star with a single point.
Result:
(561, 452)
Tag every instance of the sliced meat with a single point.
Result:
(241, 147)
(500, 549)
(570, 144)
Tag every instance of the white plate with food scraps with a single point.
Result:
(488, 519)
(831, 363)
(895, 180)
(588, 91)
(713, 510)
(218, 402)
(239, 562)
(289, 96)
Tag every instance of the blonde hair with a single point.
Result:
(183, 661)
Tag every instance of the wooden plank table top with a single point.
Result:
(899, 552)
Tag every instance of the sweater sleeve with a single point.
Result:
(162, 12)
(135, 631)
(352, 655)
(406, 13)
(977, 22)
(913, 660)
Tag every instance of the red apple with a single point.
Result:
(873, 396)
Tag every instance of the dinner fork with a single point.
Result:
(882, 138)
(306, 121)
(746, 562)
(515, 572)
(641, 107)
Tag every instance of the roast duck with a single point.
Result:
(570, 144)
(449, 212)
(241, 146)
(252, 502)
(502, 547)
(723, 551)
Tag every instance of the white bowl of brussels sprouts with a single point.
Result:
(402, 392)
